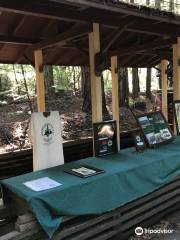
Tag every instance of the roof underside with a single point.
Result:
(140, 37)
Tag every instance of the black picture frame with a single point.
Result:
(105, 138)
(84, 171)
(139, 142)
(155, 128)
(176, 106)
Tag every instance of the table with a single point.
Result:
(127, 176)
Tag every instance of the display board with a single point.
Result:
(105, 138)
(139, 142)
(155, 128)
(84, 171)
(177, 115)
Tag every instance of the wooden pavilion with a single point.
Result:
(99, 33)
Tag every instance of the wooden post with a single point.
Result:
(164, 81)
(176, 70)
(39, 80)
(176, 73)
(96, 91)
(115, 96)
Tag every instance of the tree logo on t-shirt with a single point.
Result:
(47, 132)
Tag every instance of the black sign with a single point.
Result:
(105, 138)
(139, 141)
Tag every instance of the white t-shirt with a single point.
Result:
(47, 140)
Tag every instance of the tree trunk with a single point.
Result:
(18, 89)
(74, 79)
(26, 88)
(158, 4)
(135, 83)
(49, 81)
(86, 93)
(123, 87)
(86, 89)
(148, 83)
(171, 5)
(104, 108)
(158, 74)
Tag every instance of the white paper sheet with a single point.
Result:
(41, 184)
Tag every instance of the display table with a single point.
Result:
(127, 177)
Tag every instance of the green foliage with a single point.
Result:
(61, 78)
(107, 80)
(66, 78)
(12, 79)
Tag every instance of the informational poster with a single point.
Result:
(42, 184)
(155, 128)
(105, 138)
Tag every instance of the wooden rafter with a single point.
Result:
(137, 60)
(115, 36)
(19, 26)
(117, 7)
(153, 29)
(143, 47)
(123, 61)
(151, 61)
(57, 12)
(63, 38)
(18, 40)
(21, 54)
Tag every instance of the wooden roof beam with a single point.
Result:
(117, 7)
(59, 12)
(149, 61)
(143, 47)
(123, 61)
(115, 36)
(39, 9)
(18, 27)
(155, 30)
(20, 54)
(135, 62)
(34, 9)
(18, 40)
(63, 38)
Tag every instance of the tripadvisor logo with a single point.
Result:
(139, 231)
(47, 132)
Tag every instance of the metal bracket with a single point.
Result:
(101, 64)
(41, 67)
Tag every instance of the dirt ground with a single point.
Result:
(15, 119)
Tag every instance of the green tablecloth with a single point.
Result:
(128, 176)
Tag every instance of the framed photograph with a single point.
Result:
(105, 138)
(139, 142)
(177, 115)
(155, 128)
(84, 171)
